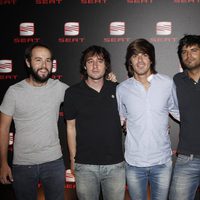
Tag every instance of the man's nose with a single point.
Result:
(44, 63)
(187, 54)
(140, 57)
(95, 64)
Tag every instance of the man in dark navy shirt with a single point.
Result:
(186, 176)
(94, 130)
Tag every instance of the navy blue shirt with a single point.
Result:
(188, 94)
(98, 128)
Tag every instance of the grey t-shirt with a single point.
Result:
(35, 111)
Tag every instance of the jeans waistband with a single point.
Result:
(189, 155)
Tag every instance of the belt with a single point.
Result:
(189, 155)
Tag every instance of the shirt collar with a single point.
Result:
(186, 76)
(149, 78)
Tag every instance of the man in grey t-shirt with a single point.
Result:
(34, 104)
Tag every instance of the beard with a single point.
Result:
(191, 63)
(193, 66)
(96, 77)
(37, 77)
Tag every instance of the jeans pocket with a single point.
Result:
(183, 159)
(168, 164)
(81, 167)
(120, 165)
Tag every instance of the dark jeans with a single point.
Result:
(50, 174)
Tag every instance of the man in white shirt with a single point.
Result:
(145, 101)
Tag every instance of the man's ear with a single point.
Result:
(27, 63)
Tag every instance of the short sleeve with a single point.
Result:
(70, 110)
(8, 104)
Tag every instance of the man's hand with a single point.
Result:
(5, 174)
(112, 77)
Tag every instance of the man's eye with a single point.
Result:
(38, 60)
(195, 50)
(89, 62)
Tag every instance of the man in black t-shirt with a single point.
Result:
(94, 130)
(186, 176)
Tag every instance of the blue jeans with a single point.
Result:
(186, 178)
(158, 176)
(50, 174)
(90, 178)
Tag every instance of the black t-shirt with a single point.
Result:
(188, 93)
(98, 129)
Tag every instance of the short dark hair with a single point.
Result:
(28, 51)
(140, 46)
(187, 40)
(91, 51)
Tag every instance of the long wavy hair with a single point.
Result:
(140, 46)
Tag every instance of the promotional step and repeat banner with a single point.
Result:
(70, 26)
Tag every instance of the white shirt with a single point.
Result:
(146, 113)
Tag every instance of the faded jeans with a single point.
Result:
(90, 178)
(186, 178)
(158, 176)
